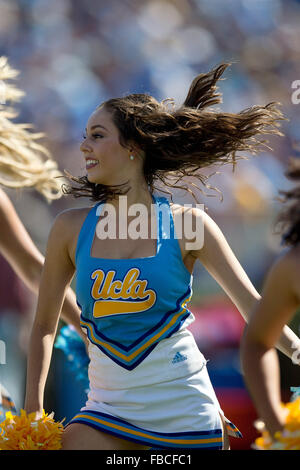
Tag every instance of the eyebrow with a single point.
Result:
(97, 125)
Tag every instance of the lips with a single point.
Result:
(91, 163)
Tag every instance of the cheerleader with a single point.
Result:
(279, 302)
(149, 386)
(24, 163)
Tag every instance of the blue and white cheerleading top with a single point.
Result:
(129, 305)
(148, 380)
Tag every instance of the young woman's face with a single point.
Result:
(107, 161)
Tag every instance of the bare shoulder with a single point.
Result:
(177, 209)
(67, 226)
(209, 236)
(287, 269)
(188, 221)
(182, 214)
(284, 274)
(186, 208)
(287, 263)
(71, 219)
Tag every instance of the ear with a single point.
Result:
(135, 150)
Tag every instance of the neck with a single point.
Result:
(136, 195)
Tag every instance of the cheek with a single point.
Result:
(116, 156)
(113, 161)
(112, 149)
(111, 154)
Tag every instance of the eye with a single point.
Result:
(97, 135)
(84, 136)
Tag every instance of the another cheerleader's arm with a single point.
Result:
(279, 302)
(56, 277)
(18, 249)
(219, 260)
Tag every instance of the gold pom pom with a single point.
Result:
(24, 432)
(289, 438)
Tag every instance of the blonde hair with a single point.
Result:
(23, 161)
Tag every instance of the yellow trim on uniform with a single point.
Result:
(144, 346)
(150, 436)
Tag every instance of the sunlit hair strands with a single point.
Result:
(24, 162)
(179, 141)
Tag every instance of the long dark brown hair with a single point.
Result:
(289, 218)
(177, 142)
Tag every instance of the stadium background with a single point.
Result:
(73, 55)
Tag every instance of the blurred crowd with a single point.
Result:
(74, 54)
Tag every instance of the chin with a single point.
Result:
(93, 179)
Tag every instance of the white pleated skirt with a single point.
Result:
(167, 401)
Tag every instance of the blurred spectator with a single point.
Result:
(73, 55)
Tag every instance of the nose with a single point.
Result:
(85, 147)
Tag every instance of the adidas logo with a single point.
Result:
(179, 358)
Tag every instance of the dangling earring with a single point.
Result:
(131, 157)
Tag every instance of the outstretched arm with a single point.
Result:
(18, 249)
(280, 299)
(55, 280)
(220, 261)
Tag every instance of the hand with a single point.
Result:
(38, 415)
(282, 414)
(33, 408)
(276, 425)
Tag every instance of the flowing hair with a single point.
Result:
(178, 142)
(24, 162)
(289, 218)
